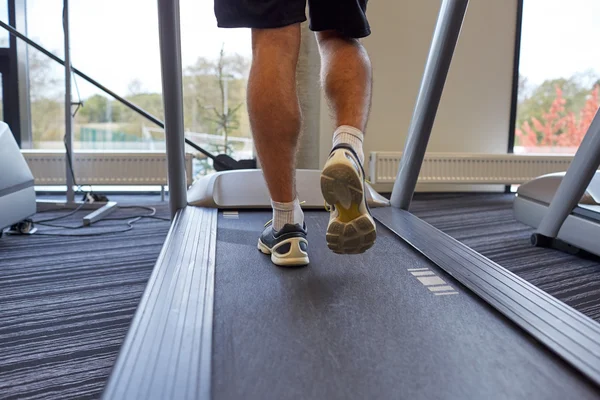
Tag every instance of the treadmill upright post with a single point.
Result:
(68, 102)
(575, 182)
(170, 55)
(445, 37)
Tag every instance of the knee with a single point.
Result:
(281, 41)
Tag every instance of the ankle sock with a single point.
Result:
(351, 136)
(287, 213)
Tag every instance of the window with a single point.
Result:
(47, 101)
(4, 17)
(46, 77)
(214, 83)
(117, 43)
(559, 75)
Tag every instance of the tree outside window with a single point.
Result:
(558, 93)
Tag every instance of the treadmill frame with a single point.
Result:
(559, 225)
(576, 180)
(178, 301)
(577, 232)
(558, 326)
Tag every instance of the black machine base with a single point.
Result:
(223, 162)
(539, 240)
(25, 227)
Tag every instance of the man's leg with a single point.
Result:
(347, 82)
(273, 106)
(275, 120)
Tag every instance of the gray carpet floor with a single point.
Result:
(66, 302)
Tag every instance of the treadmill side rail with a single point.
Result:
(167, 351)
(565, 331)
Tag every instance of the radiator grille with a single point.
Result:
(470, 168)
(102, 168)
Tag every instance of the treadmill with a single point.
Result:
(419, 316)
(565, 207)
(17, 192)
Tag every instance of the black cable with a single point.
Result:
(60, 226)
(79, 102)
(135, 216)
(72, 172)
(60, 217)
(77, 109)
(152, 214)
(148, 208)
(131, 220)
(130, 227)
(151, 209)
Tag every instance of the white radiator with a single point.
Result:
(506, 169)
(103, 168)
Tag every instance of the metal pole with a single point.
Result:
(170, 54)
(225, 95)
(68, 115)
(23, 76)
(444, 41)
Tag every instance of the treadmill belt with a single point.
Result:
(382, 325)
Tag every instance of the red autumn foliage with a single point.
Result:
(557, 128)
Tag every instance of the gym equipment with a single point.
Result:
(420, 315)
(17, 193)
(565, 207)
(247, 189)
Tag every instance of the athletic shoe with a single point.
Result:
(351, 227)
(287, 247)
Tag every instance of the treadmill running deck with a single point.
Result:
(386, 324)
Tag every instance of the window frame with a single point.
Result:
(515, 83)
(10, 82)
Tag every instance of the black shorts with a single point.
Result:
(347, 17)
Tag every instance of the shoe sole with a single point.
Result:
(353, 231)
(295, 257)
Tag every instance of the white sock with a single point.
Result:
(287, 213)
(351, 136)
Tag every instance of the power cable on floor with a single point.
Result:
(131, 220)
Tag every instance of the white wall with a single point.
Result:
(475, 109)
